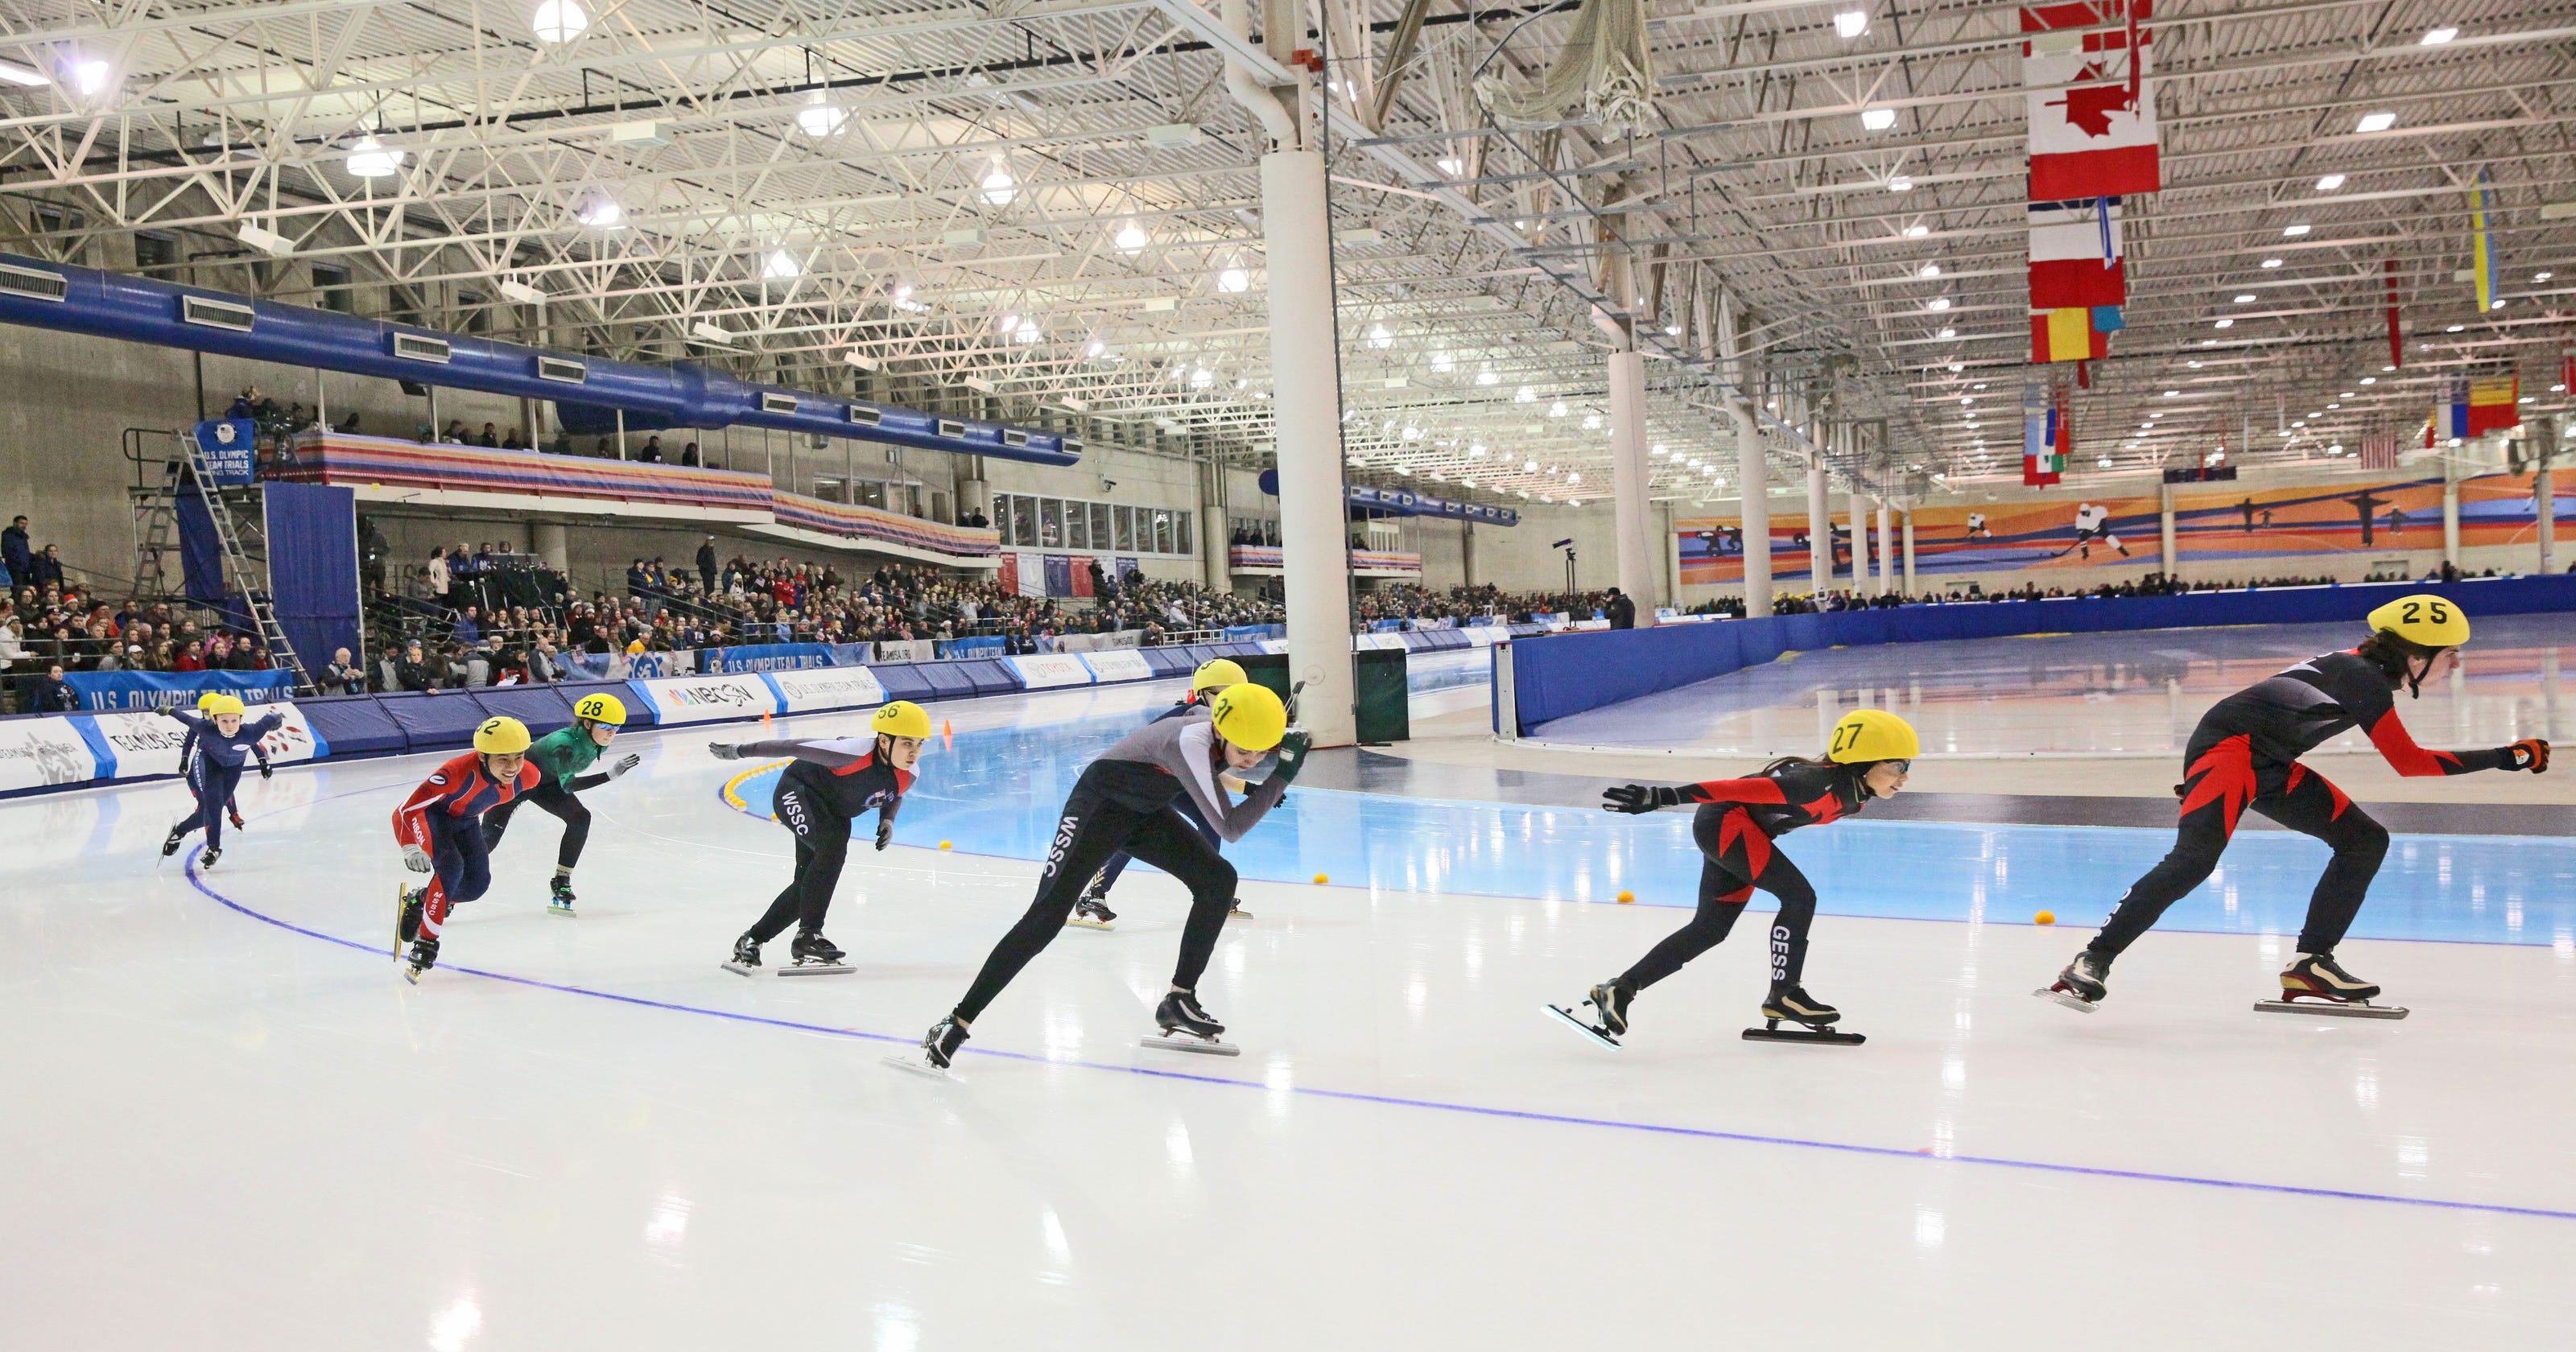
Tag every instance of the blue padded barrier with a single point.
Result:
(1200, 654)
(353, 725)
(903, 680)
(439, 718)
(1239, 650)
(542, 707)
(989, 676)
(639, 712)
(1168, 661)
(1562, 674)
(946, 681)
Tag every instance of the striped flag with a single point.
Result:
(2043, 438)
(2378, 452)
(2075, 255)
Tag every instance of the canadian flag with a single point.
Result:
(2098, 139)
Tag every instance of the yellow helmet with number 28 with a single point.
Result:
(501, 736)
(901, 718)
(1865, 735)
(1250, 716)
(603, 708)
(2425, 620)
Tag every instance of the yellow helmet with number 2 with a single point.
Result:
(1217, 673)
(1250, 716)
(2425, 620)
(901, 718)
(221, 703)
(501, 736)
(1865, 735)
(601, 708)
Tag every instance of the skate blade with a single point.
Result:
(1077, 922)
(2067, 998)
(565, 911)
(413, 975)
(1238, 915)
(742, 969)
(920, 1067)
(1593, 1031)
(1825, 1036)
(817, 969)
(1186, 1042)
(2359, 1009)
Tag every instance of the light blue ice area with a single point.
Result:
(997, 792)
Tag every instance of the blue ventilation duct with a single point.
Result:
(58, 296)
(1369, 502)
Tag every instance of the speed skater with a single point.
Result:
(440, 829)
(211, 756)
(232, 807)
(2245, 753)
(1090, 909)
(560, 758)
(1870, 754)
(1124, 801)
(830, 783)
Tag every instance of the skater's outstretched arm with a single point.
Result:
(837, 753)
(1648, 797)
(2365, 696)
(1196, 751)
(591, 781)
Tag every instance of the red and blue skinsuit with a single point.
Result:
(444, 817)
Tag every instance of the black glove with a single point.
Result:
(723, 751)
(2531, 753)
(169, 712)
(885, 833)
(1292, 755)
(1639, 797)
(265, 772)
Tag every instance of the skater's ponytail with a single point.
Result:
(1816, 762)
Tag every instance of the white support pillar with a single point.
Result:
(1886, 552)
(1633, 512)
(2450, 511)
(1467, 553)
(1755, 475)
(2165, 528)
(1307, 402)
(2544, 491)
(1860, 542)
(1820, 523)
(1909, 551)
(554, 546)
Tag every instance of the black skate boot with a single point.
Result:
(207, 860)
(2083, 984)
(1790, 1003)
(1188, 1028)
(560, 902)
(1235, 911)
(235, 815)
(814, 956)
(1090, 913)
(746, 957)
(1609, 1002)
(938, 1048)
(409, 903)
(2315, 984)
(424, 955)
(170, 843)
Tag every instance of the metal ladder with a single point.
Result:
(156, 532)
(239, 563)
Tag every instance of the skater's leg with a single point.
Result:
(819, 873)
(790, 900)
(1109, 871)
(1167, 841)
(1797, 911)
(496, 823)
(447, 873)
(474, 853)
(2312, 805)
(576, 820)
(808, 822)
(1722, 894)
(2216, 788)
(212, 789)
(1089, 831)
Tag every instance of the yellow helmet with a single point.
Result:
(601, 708)
(218, 702)
(206, 700)
(2425, 620)
(1250, 716)
(1865, 735)
(634, 646)
(1216, 674)
(501, 735)
(901, 718)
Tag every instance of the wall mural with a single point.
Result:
(2210, 526)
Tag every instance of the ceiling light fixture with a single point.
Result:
(560, 20)
(1877, 119)
(371, 158)
(780, 265)
(2329, 183)
(1851, 23)
(999, 187)
(1917, 231)
(2293, 231)
(2436, 37)
(2374, 122)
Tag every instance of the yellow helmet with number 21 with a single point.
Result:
(501, 735)
(1250, 716)
(1865, 735)
(901, 718)
(607, 709)
(2425, 620)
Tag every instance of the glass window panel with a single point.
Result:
(1100, 525)
(1162, 532)
(1050, 523)
(1077, 526)
(1024, 520)
(1181, 532)
(1125, 516)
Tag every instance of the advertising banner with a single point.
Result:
(136, 746)
(224, 447)
(1123, 664)
(36, 752)
(169, 689)
(766, 657)
(1044, 671)
(701, 699)
(827, 688)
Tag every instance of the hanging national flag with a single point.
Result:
(2040, 462)
(2068, 334)
(2379, 452)
(2396, 345)
(2075, 255)
(2494, 404)
(2478, 260)
(2098, 139)
(2450, 413)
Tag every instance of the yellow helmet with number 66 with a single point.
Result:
(901, 718)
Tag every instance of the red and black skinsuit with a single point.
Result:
(832, 781)
(2245, 754)
(1736, 823)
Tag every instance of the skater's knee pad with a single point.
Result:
(1217, 883)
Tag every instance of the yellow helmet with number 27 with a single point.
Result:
(2425, 620)
(1865, 735)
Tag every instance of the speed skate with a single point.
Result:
(808, 968)
(1187, 1028)
(1584, 1026)
(2318, 1004)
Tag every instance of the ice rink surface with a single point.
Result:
(232, 1125)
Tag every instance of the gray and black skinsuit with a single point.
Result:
(1125, 801)
(832, 781)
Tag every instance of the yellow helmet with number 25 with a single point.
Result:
(1865, 735)
(2425, 620)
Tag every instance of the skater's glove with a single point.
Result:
(1292, 755)
(169, 712)
(416, 859)
(885, 834)
(266, 773)
(723, 751)
(2531, 753)
(1639, 797)
(623, 765)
